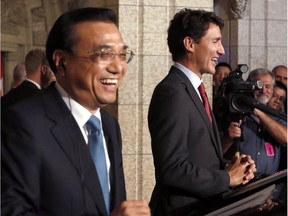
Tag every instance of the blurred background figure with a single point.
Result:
(278, 102)
(280, 73)
(37, 69)
(47, 76)
(222, 70)
(19, 75)
(278, 97)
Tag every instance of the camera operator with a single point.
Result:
(262, 134)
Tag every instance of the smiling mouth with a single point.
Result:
(214, 60)
(109, 81)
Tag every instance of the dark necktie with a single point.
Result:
(95, 144)
(205, 100)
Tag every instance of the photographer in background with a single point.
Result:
(262, 134)
(222, 69)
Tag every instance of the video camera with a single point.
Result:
(240, 93)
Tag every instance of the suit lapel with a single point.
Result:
(201, 109)
(71, 141)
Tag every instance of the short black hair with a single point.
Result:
(61, 34)
(224, 64)
(280, 85)
(191, 23)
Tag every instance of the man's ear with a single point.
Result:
(44, 69)
(189, 44)
(59, 58)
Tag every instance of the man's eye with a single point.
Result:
(106, 55)
(122, 56)
(94, 56)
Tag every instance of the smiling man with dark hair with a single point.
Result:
(61, 152)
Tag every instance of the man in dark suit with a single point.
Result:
(47, 159)
(37, 70)
(187, 153)
(19, 75)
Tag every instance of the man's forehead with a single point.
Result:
(281, 73)
(280, 91)
(264, 77)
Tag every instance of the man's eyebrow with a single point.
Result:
(106, 46)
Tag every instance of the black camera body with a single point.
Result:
(240, 93)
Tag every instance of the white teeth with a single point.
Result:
(109, 81)
(215, 59)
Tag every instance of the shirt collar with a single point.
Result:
(194, 79)
(80, 113)
(35, 83)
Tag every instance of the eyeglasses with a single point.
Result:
(267, 85)
(106, 55)
(278, 97)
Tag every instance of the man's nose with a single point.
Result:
(116, 65)
(221, 49)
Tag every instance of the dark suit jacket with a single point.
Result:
(186, 150)
(46, 165)
(24, 90)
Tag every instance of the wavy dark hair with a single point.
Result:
(191, 23)
(61, 35)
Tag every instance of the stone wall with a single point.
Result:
(258, 36)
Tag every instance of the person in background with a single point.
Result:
(264, 137)
(19, 75)
(61, 152)
(189, 168)
(277, 103)
(37, 69)
(47, 78)
(262, 133)
(222, 70)
(279, 96)
(280, 73)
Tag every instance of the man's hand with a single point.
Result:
(234, 130)
(267, 206)
(241, 170)
(250, 169)
(132, 208)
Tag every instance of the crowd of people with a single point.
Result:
(29, 78)
(62, 152)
